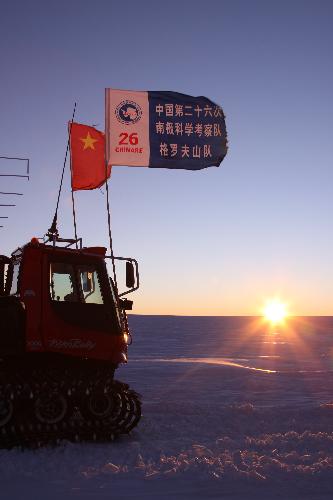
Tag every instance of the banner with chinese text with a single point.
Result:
(163, 129)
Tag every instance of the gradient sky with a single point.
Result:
(218, 241)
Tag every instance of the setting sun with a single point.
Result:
(275, 311)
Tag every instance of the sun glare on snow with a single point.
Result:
(275, 311)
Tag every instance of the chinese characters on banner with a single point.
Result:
(163, 129)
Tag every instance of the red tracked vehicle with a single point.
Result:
(63, 332)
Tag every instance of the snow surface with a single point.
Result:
(232, 409)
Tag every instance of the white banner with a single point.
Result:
(127, 127)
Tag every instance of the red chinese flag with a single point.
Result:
(87, 157)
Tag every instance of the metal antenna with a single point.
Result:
(53, 231)
(27, 176)
(22, 176)
(17, 194)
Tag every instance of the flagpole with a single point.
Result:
(72, 192)
(109, 227)
(107, 198)
(53, 231)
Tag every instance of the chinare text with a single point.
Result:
(128, 149)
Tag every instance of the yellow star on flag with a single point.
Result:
(88, 141)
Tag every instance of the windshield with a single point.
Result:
(62, 283)
(90, 285)
(75, 283)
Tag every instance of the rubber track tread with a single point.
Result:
(24, 429)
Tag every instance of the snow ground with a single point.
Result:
(215, 425)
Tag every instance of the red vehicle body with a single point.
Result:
(75, 326)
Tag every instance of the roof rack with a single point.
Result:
(54, 239)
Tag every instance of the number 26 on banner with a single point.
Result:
(128, 138)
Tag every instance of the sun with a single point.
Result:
(275, 311)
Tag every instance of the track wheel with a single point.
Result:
(6, 410)
(51, 408)
(100, 405)
(135, 412)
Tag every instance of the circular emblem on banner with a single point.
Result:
(128, 112)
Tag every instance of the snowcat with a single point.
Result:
(63, 333)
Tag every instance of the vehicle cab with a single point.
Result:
(61, 300)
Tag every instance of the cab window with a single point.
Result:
(75, 283)
(14, 286)
(63, 287)
(90, 285)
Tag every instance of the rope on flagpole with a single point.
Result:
(53, 231)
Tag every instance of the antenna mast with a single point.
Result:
(53, 231)
(21, 176)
